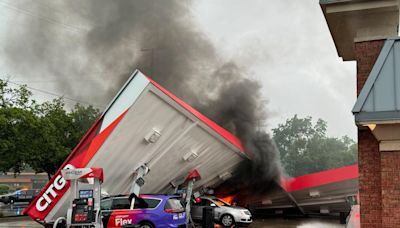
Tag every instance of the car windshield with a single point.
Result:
(220, 202)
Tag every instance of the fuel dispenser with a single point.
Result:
(84, 210)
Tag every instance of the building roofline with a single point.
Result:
(373, 75)
(369, 89)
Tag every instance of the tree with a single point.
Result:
(17, 124)
(306, 148)
(59, 133)
(38, 135)
(53, 131)
(4, 189)
(82, 118)
(17, 128)
(19, 97)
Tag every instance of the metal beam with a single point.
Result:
(294, 202)
(277, 207)
(323, 202)
(351, 7)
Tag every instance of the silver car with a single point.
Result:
(224, 213)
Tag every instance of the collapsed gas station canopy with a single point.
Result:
(145, 124)
(326, 192)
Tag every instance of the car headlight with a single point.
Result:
(245, 212)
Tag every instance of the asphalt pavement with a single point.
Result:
(12, 209)
(26, 222)
(10, 216)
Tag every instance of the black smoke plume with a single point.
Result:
(89, 48)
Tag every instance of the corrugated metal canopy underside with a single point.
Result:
(126, 148)
(310, 193)
(141, 107)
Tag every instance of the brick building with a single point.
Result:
(27, 179)
(364, 31)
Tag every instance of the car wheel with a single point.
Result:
(146, 225)
(227, 220)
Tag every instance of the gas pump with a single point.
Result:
(84, 210)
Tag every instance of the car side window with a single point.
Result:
(152, 203)
(120, 203)
(205, 203)
(197, 204)
(202, 203)
(106, 204)
(141, 203)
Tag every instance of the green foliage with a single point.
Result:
(15, 97)
(17, 132)
(82, 118)
(53, 131)
(305, 148)
(38, 135)
(4, 189)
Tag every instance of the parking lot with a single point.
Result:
(10, 216)
(25, 222)
(12, 210)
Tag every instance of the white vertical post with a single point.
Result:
(135, 188)
(188, 200)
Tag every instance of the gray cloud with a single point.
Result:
(161, 39)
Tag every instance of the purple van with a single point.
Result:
(150, 211)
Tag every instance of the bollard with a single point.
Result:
(208, 217)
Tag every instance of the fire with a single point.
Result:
(228, 199)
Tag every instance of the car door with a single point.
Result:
(30, 194)
(121, 214)
(218, 211)
(106, 211)
(119, 204)
(197, 209)
(23, 196)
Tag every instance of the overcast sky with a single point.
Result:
(298, 63)
(285, 43)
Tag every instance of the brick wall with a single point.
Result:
(390, 177)
(366, 54)
(369, 163)
(369, 157)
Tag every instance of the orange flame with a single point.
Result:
(228, 199)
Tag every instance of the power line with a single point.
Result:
(48, 19)
(35, 82)
(55, 94)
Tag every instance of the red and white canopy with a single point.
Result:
(145, 123)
